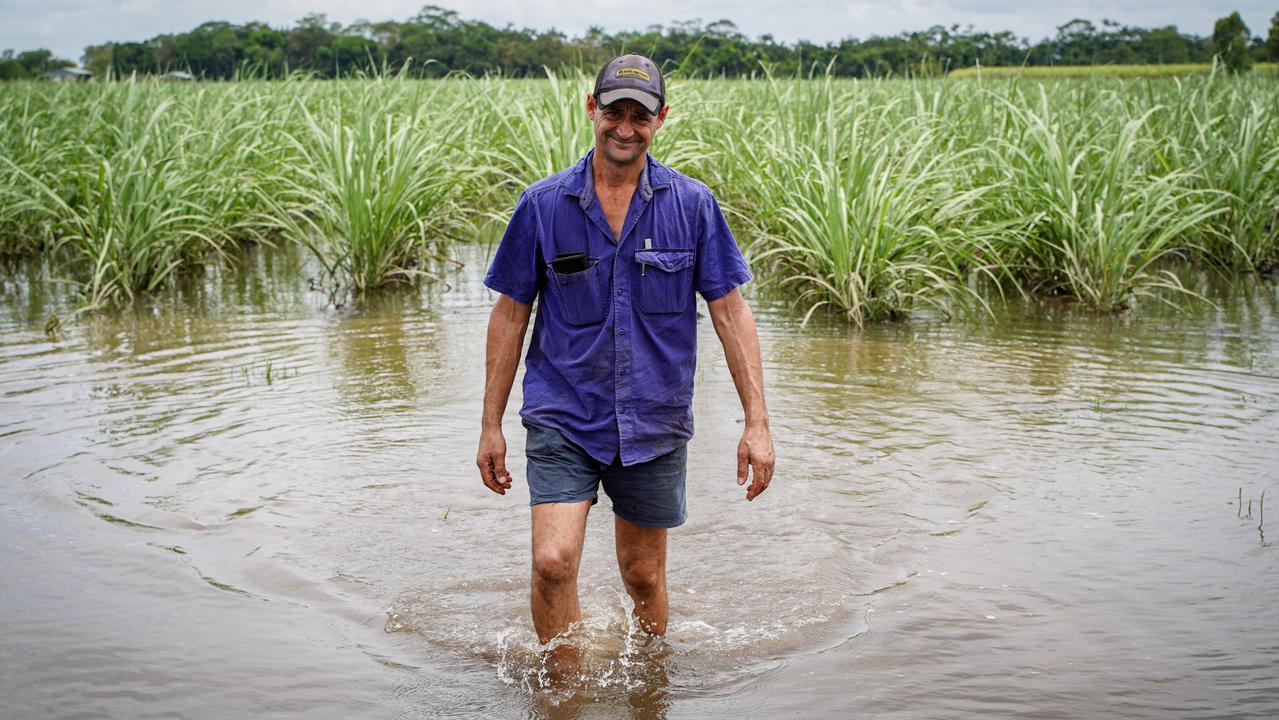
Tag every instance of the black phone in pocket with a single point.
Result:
(571, 262)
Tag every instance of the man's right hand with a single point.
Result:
(507, 324)
(491, 460)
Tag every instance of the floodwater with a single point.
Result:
(241, 503)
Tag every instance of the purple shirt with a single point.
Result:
(614, 347)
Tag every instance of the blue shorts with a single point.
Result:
(650, 494)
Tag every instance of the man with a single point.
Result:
(613, 250)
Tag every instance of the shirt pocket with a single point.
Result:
(580, 295)
(665, 279)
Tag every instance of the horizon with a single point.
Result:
(66, 27)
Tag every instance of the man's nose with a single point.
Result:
(625, 129)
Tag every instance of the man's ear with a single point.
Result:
(590, 106)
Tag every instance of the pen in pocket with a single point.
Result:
(648, 245)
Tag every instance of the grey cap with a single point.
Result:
(632, 77)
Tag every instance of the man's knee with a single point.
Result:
(554, 565)
(642, 575)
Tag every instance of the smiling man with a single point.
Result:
(613, 250)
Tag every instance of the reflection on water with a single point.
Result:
(235, 497)
(372, 354)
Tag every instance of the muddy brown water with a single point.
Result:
(238, 502)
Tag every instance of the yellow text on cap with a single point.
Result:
(634, 72)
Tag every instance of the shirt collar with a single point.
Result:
(581, 182)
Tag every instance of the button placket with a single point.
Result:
(623, 316)
(622, 354)
(633, 214)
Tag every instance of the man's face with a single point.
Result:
(623, 130)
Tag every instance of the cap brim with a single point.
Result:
(651, 102)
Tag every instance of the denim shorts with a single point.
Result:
(650, 494)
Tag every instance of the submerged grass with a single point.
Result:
(849, 224)
(1098, 220)
(1245, 167)
(132, 215)
(867, 199)
(868, 221)
(366, 200)
(534, 134)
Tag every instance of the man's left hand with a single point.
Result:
(755, 451)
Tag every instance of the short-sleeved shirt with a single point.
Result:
(614, 347)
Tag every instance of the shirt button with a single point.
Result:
(621, 332)
(620, 292)
(623, 372)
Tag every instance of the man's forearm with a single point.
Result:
(735, 325)
(507, 325)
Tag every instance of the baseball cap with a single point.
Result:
(633, 77)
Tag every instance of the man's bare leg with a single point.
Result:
(559, 530)
(641, 556)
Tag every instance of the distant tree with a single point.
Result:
(35, 63)
(1272, 42)
(211, 50)
(97, 59)
(1257, 50)
(436, 41)
(436, 17)
(305, 41)
(1165, 46)
(1076, 43)
(11, 69)
(1230, 43)
(350, 54)
(263, 54)
(29, 64)
(129, 58)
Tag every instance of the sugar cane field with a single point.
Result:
(1020, 339)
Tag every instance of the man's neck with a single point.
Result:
(613, 176)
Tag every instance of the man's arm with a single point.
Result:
(507, 324)
(735, 326)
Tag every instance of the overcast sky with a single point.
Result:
(67, 26)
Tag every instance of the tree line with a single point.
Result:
(437, 41)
